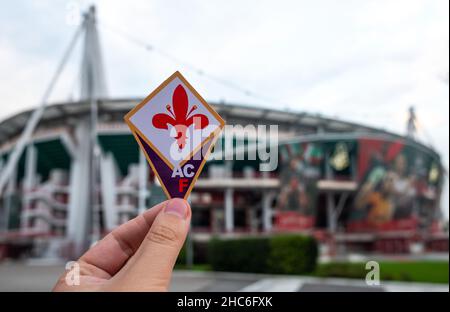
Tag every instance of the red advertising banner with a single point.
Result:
(293, 221)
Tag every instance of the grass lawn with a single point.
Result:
(407, 271)
(410, 271)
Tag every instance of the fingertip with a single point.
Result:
(178, 207)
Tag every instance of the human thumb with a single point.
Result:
(151, 266)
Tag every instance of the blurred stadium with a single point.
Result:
(72, 172)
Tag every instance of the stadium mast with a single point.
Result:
(84, 196)
(411, 127)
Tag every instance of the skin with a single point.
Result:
(138, 255)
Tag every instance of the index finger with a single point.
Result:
(113, 251)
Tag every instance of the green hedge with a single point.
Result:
(200, 250)
(281, 254)
(292, 254)
(239, 255)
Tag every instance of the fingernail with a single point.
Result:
(177, 207)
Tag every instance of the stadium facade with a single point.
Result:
(354, 187)
(358, 187)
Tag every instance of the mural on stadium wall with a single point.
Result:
(301, 167)
(398, 187)
(398, 184)
(341, 157)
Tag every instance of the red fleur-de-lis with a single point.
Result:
(180, 117)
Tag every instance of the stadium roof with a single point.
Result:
(114, 136)
(64, 114)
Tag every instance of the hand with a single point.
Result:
(138, 255)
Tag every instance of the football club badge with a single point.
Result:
(176, 130)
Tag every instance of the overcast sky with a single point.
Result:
(363, 61)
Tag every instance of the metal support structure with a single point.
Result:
(93, 82)
(229, 210)
(92, 88)
(30, 180)
(411, 126)
(189, 250)
(69, 144)
(108, 169)
(341, 203)
(267, 198)
(331, 220)
(189, 245)
(30, 168)
(79, 219)
(334, 210)
(7, 199)
(84, 174)
(35, 116)
(143, 175)
(228, 199)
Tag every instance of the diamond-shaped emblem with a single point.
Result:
(176, 129)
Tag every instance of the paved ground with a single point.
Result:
(41, 277)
